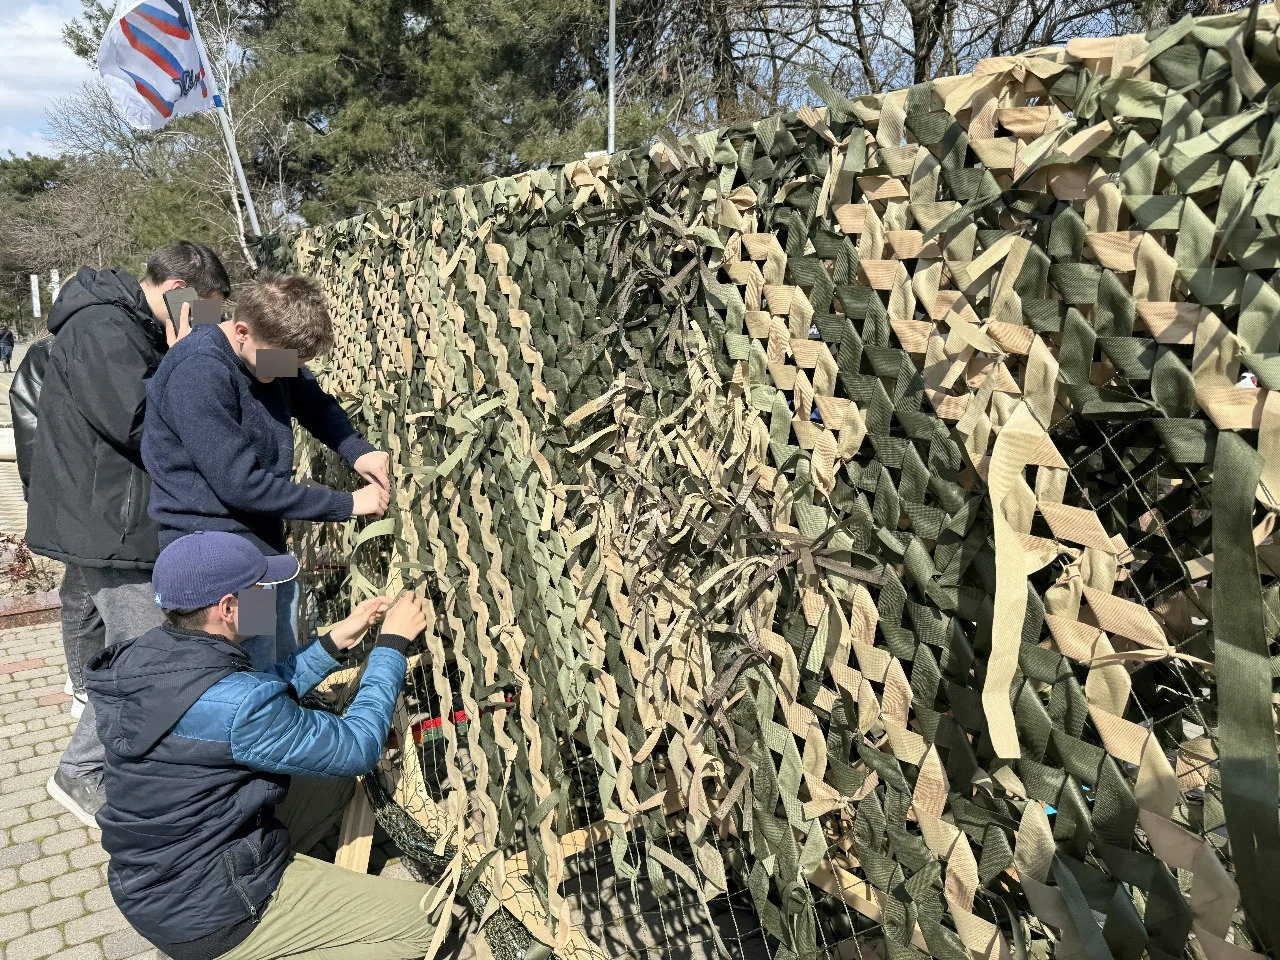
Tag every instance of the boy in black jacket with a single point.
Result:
(219, 435)
(87, 504)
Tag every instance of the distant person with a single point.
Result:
(87, 502)
(218, 441)
(203, 825)
(6, 347)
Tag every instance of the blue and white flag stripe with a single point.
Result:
(153, 63)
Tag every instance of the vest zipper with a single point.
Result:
(241, 892)
(128, 509)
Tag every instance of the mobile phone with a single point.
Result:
(174, 299)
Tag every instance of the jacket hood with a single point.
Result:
(141, 688)
(91, 288)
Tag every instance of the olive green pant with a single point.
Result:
(324, 912)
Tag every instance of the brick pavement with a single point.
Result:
(54, 900)
(53, 896)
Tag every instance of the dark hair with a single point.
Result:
(187, 619)
(287, 311)
(194, 264)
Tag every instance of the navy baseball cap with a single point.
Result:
(200, 569)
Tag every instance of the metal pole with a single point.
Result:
(235, 162)
(613, 60)
(227, 133)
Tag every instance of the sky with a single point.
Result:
(35, 68)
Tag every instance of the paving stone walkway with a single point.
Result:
(54, 900)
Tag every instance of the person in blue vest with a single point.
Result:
(217, 778)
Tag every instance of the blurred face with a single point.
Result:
(154, 292)
(248, 348)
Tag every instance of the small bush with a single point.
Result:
(24, 572)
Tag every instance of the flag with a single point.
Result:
(153, 63)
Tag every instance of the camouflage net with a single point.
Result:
(851, 529)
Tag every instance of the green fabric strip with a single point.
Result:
(1246, 726)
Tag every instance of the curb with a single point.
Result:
(29, 610)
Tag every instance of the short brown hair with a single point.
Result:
(288, 312)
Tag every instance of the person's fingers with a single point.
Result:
(381, 466)
(406, 617)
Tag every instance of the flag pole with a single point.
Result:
(230, 138)
(613, 59)
(179, 23)
(228, 135)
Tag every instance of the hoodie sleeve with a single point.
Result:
(272, 732)
(109, 383)
(199, 404)
(323, 417)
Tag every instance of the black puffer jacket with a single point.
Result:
(87, 502)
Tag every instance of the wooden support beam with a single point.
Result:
(355, 840)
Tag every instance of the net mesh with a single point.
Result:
(843, 535)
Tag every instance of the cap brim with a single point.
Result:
(280, 569)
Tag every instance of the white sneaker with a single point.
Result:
(68, 688)
(77, 706)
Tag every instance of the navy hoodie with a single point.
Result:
(218, 444)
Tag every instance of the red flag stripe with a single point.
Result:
(146, 50)
(161, 107)
(165, 28)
